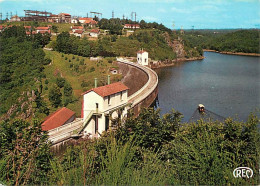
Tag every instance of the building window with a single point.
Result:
(121, 95)
(96, 107)
(145, 60)
(108, 99)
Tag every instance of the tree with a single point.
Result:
(60, 82)
(24, 153)
(55, 95)
(67, 89)
(54, 29)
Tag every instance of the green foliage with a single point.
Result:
(67, 89)
(246, 41)
(55, 95)
(60, 82)
(24, 153)
(92, 69)
(46, 81)
(54, 29)
(47, 61)
(22, 64)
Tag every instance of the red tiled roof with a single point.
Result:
(65, 14)
(27, 27)
(28, 33)
(77, 27)
(94, 30)
(42, 28)
(57, 119)
(85, 18)
(2, 27)
(44, 31)
(132, 25)
(54, 15)
(108, 89)
(93, 22)
(141, 51)
(78, 31)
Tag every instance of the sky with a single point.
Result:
(186, 14)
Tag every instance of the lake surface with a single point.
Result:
(228, 85)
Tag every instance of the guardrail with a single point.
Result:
(68, 125)
(149, 72)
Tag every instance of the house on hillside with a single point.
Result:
(14, 18)
(74, 20)
(94, 33)
(77, 30)
(53, 18)
(131, 26)
(78, 33)
(101, 103)
(88, 21)
(43, 30)
(64, 18)
(2, 27)
(74, 28)
(142, 57)
(58, 118)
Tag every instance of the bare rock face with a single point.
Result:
(178, 48)
(176, 45)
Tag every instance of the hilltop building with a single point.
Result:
(64, 18)
(131, 26)
(142, 57)
(94, 33)
(43, 30)
(101, 103)
(14, 18)
(53, 18)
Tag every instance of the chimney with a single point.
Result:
(108, 79)
(95, 82)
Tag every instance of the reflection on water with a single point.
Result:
(226, 84)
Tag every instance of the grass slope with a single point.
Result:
(79, 70)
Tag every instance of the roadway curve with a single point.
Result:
(145, 96)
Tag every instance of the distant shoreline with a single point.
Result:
(233, 53)
(174, 62)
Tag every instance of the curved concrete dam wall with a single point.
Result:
(143, 84)
(133, 77)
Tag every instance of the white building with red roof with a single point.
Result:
(42, 30)
(131, 26)
(94, 33)
(100, 104)
(142, 57)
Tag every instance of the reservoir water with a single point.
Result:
(228, 85)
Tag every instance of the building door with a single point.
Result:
(106, 123)
(96, 124)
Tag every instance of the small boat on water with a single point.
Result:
(202, 113)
